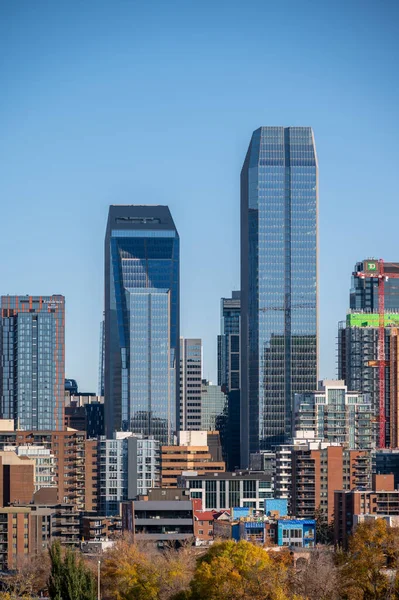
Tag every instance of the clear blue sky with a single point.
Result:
(155, 102)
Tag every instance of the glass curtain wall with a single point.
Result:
(278, 281)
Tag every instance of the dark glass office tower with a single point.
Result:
(141, 374)
(229, 343)
(229, 378)
(32, 361)
(279, 333)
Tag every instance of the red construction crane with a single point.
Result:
(375, 269)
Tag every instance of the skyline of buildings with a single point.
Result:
(279, 295)
(268, 430)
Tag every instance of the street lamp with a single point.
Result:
(98, 581)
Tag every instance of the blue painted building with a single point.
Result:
(273, 505)
(296, 532)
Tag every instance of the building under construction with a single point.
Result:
(368, 344)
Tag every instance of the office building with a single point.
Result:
(191, 454)
(165, 517)
(226, 490)
(85, 413)
(335, 415)
(190, 384)
(213, 403)
(229, 343)
(101, 360)
(32, 378)
(229, 377)
(141, 374)
(279, 333)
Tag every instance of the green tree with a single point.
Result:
(70, 578)
(55, 579)
(324, 529)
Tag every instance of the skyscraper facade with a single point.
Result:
(229, 377)
(32, 361)
(358, 344)
(141, 356)
(279, 329)
(229, 343)
(213, 403)
(190, 384)
(101, 359)
(364, 291)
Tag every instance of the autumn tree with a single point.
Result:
(28, 579)
(240, 571)
(373, 548)
(132, 572)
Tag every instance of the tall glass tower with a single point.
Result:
(32, 361)
(141, 327)
(279, 329)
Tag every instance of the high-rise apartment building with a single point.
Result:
(75, 462)
(335, 415)
(316, 474)
(279, 332)
(17, 474)
(44, 463)
(190, 384)
(129, 465)
(32, 361)
(141, 373)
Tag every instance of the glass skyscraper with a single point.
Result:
(141, 354)
(32, 361)
(279, 329)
